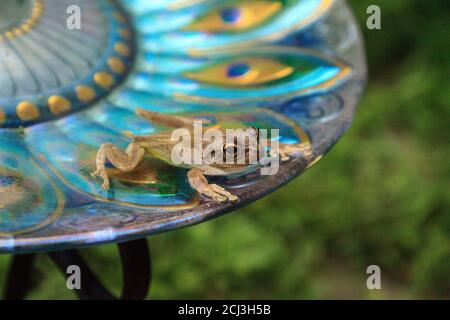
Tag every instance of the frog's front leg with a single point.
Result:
(198, 181)
(125, 161)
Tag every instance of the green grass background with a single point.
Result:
(381, 196)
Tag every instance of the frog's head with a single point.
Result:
(243, 148)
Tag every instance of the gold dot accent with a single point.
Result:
(122, 49)
(116, 65)
(27, 111)
(9, 35)
(58, 104)
(18, 32)
(36, 14)
(2, 117)
(125, 33)
(104, 79)
(27, 28)
(85, 94)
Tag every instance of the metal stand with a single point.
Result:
(136, 273)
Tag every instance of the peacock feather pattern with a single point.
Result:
(295, 65)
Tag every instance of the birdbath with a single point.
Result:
(73, 75)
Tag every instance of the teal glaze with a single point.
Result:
(291, 16)
(310, 72)
(28, 195)
(48, 200)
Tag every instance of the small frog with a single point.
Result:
(160, 145)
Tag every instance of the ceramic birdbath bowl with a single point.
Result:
(73, 72)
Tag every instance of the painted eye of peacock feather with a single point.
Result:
(241, 16)
(245, 71)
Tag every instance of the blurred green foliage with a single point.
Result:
(381, 196)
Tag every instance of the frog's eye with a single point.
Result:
(242, 72)
(239, 16)
(230, 151)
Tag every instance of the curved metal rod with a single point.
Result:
(20, 278)
(91, 287)
(136, 269)
(136, 272)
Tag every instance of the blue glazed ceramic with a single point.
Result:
(295, 65)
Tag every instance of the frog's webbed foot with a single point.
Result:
(101, 172)
(217, 193)
(288, 151)
(125, 161)
(198, 181)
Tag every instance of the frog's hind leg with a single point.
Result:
(125, 161)
(167, 120)
(198, 181)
